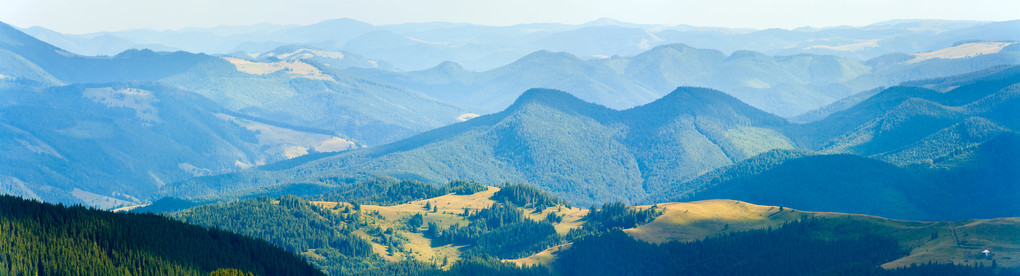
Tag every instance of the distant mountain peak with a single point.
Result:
(544, 55)
(674, 46)
(544, 95)
(449, 66)
(696, 95)
(605, 22)
(745, 54)
(706, 102)
(556, 99)
(341, 22)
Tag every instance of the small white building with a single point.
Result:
(986, 252)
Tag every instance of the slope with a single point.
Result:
(308, 92)
(898, 116)
(836, 183)
(958, 242)
(72, 68)
(111, 144)
(41, 238)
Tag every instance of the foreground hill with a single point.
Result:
(958, 242)
(45, 239)
(413, 227)
(577, 150)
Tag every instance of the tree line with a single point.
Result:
(45, 239)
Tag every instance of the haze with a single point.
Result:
(72, 16)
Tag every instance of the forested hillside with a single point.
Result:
(579, 151)
(939, 150)
(45, 239)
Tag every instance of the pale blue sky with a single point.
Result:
(83, 16)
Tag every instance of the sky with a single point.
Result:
(87, 16)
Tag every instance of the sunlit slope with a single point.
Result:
(959, 242)
(445, 211)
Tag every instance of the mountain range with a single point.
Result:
(416, 46)
(782, 85)
(118, 130)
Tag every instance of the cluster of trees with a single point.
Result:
(392, 240)
(461, 187)
(500, 230)
(296, 225)
(474, 265)
(390, 191)
(526, 196)
(614, 215)
(382, 191)
(45, 239)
